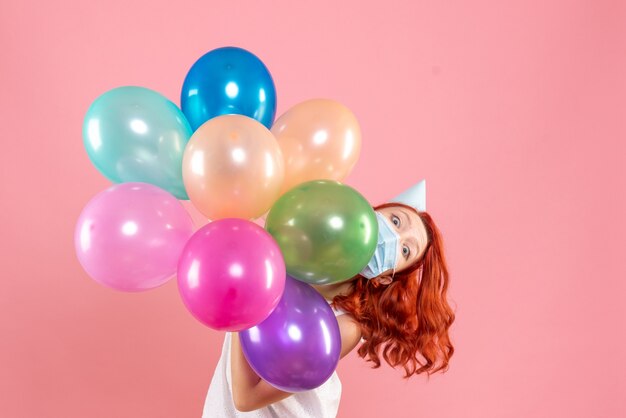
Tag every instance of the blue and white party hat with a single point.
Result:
(414, 196)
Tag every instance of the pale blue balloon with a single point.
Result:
(136, 134)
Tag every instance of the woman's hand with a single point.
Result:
(250, 392)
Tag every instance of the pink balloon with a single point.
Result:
(231, 274)
(130, 236)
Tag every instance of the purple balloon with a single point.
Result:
(129, 236)
(297, 347)
(231, 274)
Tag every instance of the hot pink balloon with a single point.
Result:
(130, 236)
(231, 274)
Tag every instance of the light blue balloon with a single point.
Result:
(136, 134)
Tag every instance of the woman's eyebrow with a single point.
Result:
(415, 243)
(408, 218)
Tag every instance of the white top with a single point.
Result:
(321, 402)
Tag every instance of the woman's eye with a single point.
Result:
(406, 250)
(395, 220)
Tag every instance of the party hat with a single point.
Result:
(414, 196)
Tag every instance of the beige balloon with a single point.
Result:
(319, 139)
(233, 167)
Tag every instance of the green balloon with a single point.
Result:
(327, 231)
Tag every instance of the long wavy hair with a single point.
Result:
(406, 322)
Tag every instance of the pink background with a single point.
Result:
(513, 111)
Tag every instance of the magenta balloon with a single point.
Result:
(231, 274)
(129, 237)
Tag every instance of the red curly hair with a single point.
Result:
(410, 317)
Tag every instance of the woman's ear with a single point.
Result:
(384, 279)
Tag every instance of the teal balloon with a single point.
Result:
(134, 134)
(327, 231)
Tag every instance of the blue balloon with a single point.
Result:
(228, 80)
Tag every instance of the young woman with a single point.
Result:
(396, 308)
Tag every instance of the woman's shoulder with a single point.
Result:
(350, 333)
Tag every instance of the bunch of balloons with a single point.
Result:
(223, 151)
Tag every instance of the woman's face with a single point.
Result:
(412, 232)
